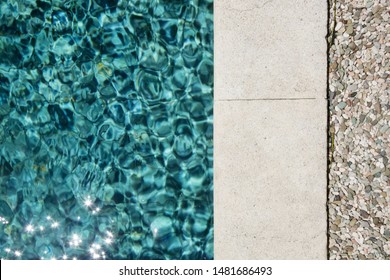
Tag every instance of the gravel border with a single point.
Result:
(359, 170)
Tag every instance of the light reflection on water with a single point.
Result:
(106, 139)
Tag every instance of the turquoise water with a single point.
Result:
(106, 138)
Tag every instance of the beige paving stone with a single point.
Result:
(270, 129)
(270, 179)
(270, 49)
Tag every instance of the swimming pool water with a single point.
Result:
(106, 138)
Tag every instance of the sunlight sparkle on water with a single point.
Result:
(18, 253)
(55, 225)
(88, 202)
(76, 241)
(3, 220)
(29, 228)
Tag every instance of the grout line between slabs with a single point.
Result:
(266, 99)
